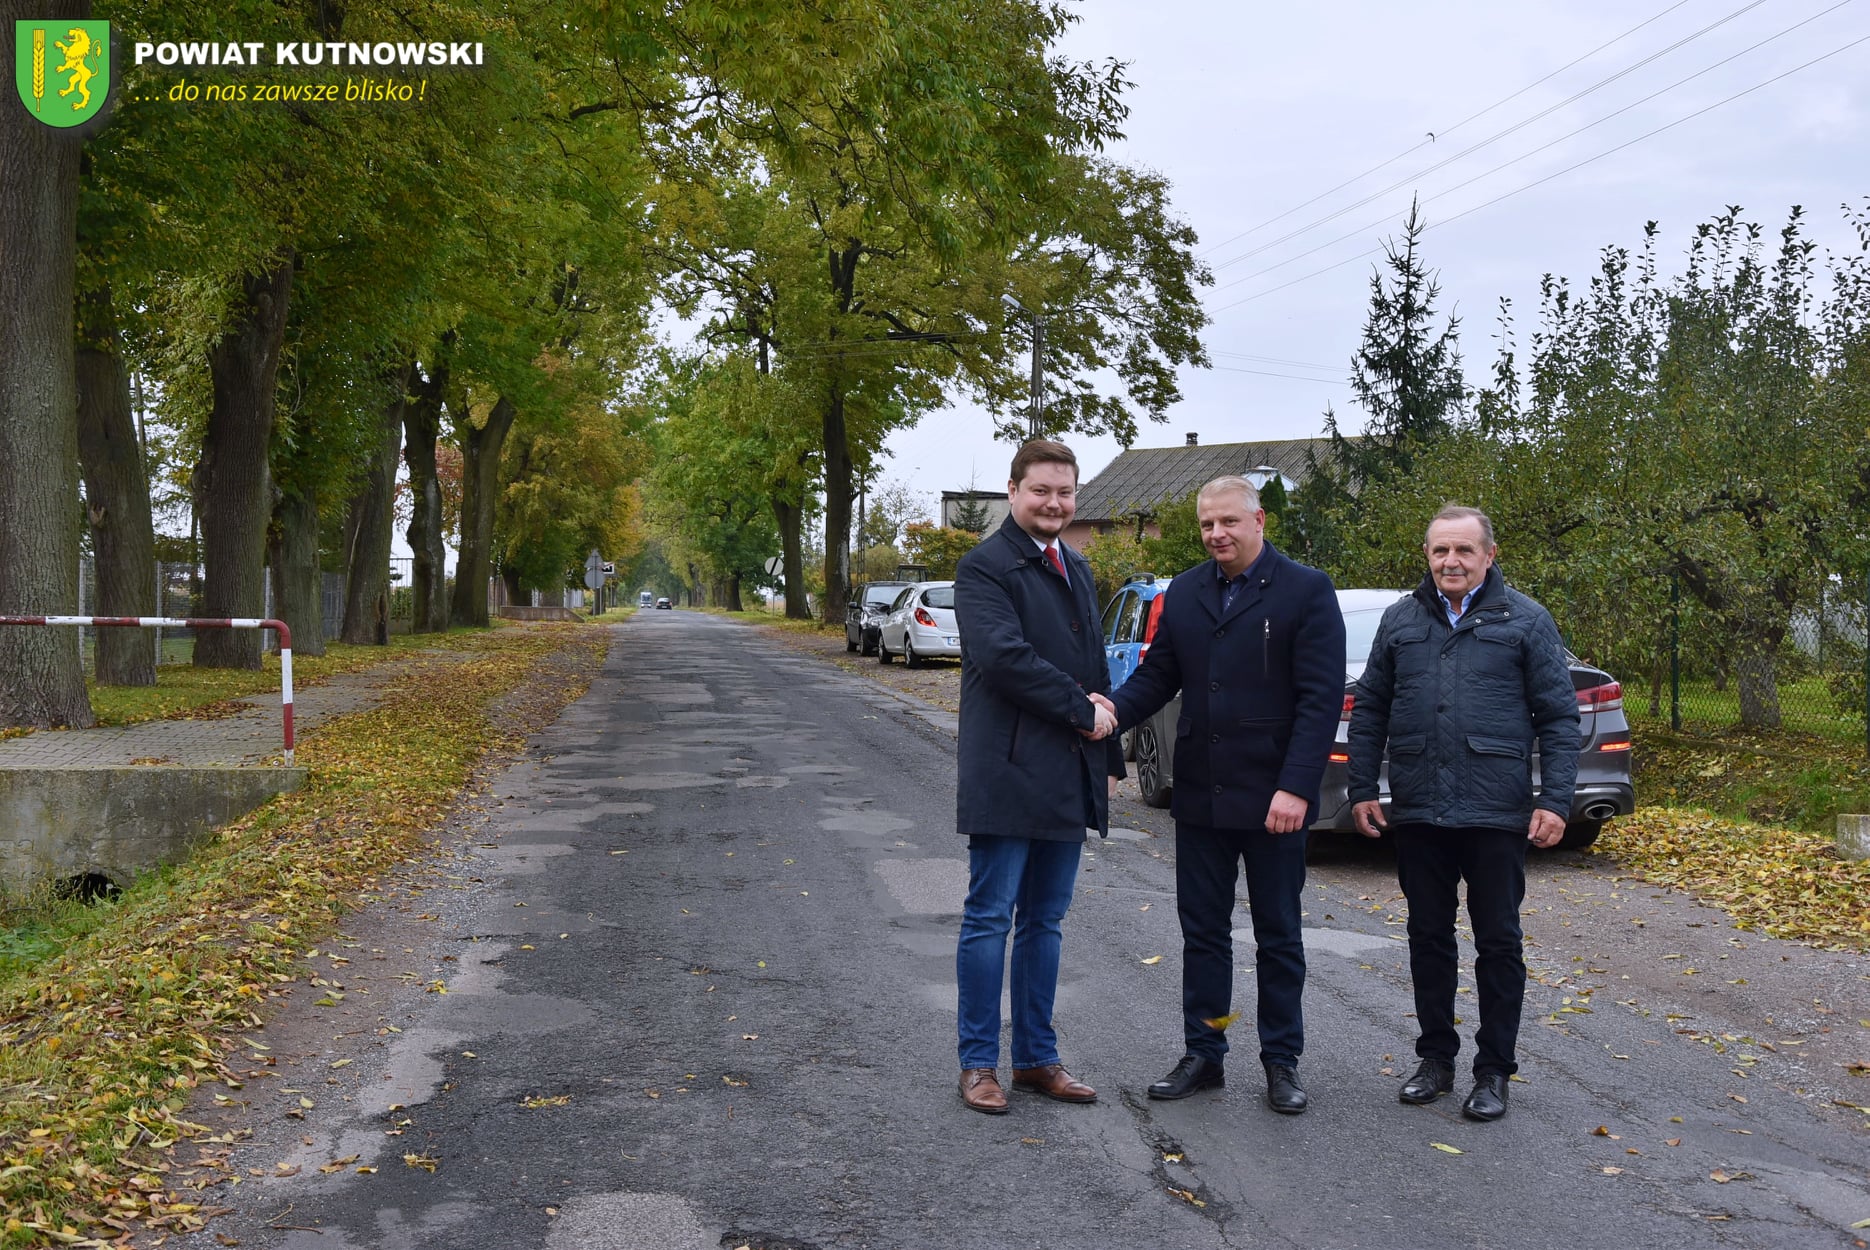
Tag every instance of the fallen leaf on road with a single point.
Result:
(1673, 1141)
(1602, 1130)
(1445, 1148)
(426, 1162)
(1859, 1068)
(556, 1100)
(1186, 1196)
(1222, 1022)
(1153, 960)
(728, 1080)
(1613, 1171)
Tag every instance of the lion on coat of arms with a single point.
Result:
(76, 48)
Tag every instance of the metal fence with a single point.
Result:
(1701, 677)
(179, 586)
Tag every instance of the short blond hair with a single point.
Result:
(1228, 485)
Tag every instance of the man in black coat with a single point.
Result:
(1255, 643)
(1034, 755)
(1465, 676)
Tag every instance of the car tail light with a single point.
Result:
(1350, 701)
(1605, 698)
(923, 618)
(1339, 757)
(1149, 625)
(1616, 744)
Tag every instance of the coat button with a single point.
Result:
(1214, 685)
(1074, 627)
(1220, 633)
(1217, 789)
(1214, 737)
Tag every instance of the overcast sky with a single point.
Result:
(1252, 110)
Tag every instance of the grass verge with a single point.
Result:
(1781, 882)
(1786, 779)
(101, 1044)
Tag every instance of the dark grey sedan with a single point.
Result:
(1604, 787)
(864, 612)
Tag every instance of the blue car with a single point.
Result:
(1129, 624)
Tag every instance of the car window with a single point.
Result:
(1130, 627)
(879, 595)
(903, 599)
(1360, 630)
(939, 596)
(1112, 614)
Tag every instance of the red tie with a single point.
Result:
(1051, 553)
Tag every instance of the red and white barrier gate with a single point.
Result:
(285, 643)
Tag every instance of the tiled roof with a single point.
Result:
(1141, 478)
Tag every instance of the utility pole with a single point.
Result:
(1035, 420)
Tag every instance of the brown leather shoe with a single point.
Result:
(980, 1089)
(1054, 1082)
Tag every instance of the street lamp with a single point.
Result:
(1036, 416)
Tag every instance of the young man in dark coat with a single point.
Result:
(1034, 757)
(1255, 644)
(1465, 676)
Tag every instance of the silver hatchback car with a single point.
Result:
(1604, 788)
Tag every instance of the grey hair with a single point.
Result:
(1227, 485)
(1455, 512)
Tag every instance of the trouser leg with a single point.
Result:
(1206, 866)
(1275, 888)
(1038, 933)
(996, 867)
(1495, 868)
(1428, 869)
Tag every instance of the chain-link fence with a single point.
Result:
(1804, 672)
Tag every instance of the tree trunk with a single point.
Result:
(733, 594)
(480, 485)
(297, 580)
(791, 519)
(1758, 681)
(514, 592)
(41, 678)
(235, 472)
(116, 489)
(371, 524)
(837, 508)
(422, 423)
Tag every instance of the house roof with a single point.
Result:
(1143, 477)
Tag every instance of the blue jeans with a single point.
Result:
(1023, 885)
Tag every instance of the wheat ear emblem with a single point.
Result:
(38, 68)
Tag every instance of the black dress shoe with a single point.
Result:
(1432, 1079)
(1488, 1101)
(1192, 1075)
(1283, 1091)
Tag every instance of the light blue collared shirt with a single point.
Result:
(1454, 617)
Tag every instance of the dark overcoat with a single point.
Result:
(1262, 689)
(1030, 653)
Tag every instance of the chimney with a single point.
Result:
(1194, 439)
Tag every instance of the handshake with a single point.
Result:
(1106, 719)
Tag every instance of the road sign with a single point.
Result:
(775, 566)
(594, 579)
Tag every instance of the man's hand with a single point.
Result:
(1368, 816)
(1546, 829)
(1102, 701)
(1113, 787)
(1287, 814)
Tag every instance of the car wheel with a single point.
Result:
(883, 652)
(1149, 778)
(1579, 834)
(909, 654)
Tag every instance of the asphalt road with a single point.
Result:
(688, 982)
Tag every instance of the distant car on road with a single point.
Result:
(868, 605)
(1604, 788)
(920, 624)
(664, 603)
(645, 599)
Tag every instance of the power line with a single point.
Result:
(1448, 130)
(1493, 138)
(1538, 181)
(1296, 377)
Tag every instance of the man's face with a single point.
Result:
(1043, 503)
(1456, 557)
(1232, 532)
